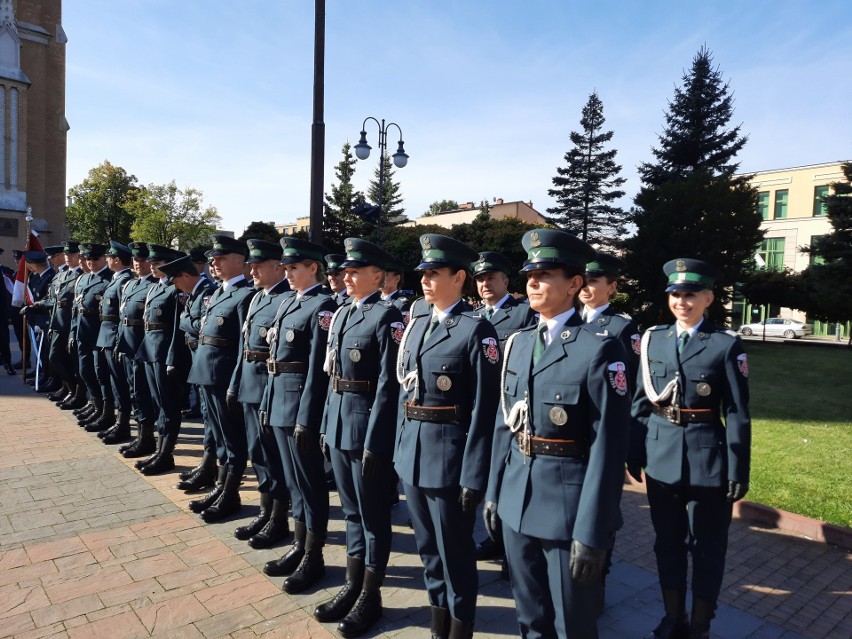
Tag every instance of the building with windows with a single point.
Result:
(497, 210)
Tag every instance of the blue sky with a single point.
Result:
(217, 94)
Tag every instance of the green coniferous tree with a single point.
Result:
(588, 186)
(339, 222)
(392, 208)
(691, 203)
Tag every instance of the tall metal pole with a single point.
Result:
(383, 148)
(318, 125)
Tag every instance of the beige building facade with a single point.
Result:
(467, 212)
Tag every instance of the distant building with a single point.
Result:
(467, 212)
(290, 228)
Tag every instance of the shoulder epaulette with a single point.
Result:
(728, 331)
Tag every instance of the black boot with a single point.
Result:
(368, 608)
(86, 411)
(207, 460)
(339, 606)
(50, 386)
(165, 459)
(243, 533)
(63, 391)
(312, 567)
(460, 629)
(293, 557)
(93, 416)
(440, 625)
(139, 465)
(200, 505)
(675, 624)
(121, 431)
(143, 445)
(106, 420)
(77, 399)
(202, 476)
(276, 530)
(703, 612)
(228, 503)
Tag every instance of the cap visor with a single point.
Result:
(423, 266)
(685, 286)
(292, 259)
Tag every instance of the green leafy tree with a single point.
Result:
(98, 211)
(339, 220)
(261, 231)
(691, 203)
(776, 288)
(167, 215)
(392, 209)
(587, 188)
(441, 206)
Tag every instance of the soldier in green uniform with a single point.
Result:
(693, 375)
(59, 329)
(334, 277)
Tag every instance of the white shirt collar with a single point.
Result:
(234, 280)
(591, 314)
(555, 325)
(442, 315)
(499, 304)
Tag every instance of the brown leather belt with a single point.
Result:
(431, 413)
(130, 321)
(339, 385)
(681, 416)
(530, 445)
(206, 340)
(255, 356)
(277, 367)
(156, 326)
(109, 318)
(191, 343)
(89, 311)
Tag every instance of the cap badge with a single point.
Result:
(426, 243)
(348, 244)
(534, 239)
(680, 267)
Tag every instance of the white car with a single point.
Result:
(776, 327)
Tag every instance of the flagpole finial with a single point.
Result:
(29, 217)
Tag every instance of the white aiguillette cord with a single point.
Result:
(408, 381)
(671, 388)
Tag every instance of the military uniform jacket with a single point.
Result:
(132, 308)
(41, 287)
(110, 303)
(63, 299)
(402, 302)
(89, 293)
(364, 347)
(162, 307)
(223, 320)
(459, 365)
(249, 377)
(577, 391)
(300, 334)
(712, 373)
(624, 329)
(195, 307)
(512, 316)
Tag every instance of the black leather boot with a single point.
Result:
(207, 459)
(460, 629)
(200, 505)
(228, 503)
(244, 533)
(165, 459)
(703, 612)
(675, 624)
(276, 530)
(293, 557)
(63, 391)
(367, 610)
(144, 445)
(77, 399)
(85, 411)
(144, 462)
(121, 431)
(440, 626)
(339, 606)
(202, 476)
(50, 386)
(312, 567)
(106, 420)
(92, 417)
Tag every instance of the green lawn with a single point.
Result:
(801, 408)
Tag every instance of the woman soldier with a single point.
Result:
(448, 366)
(691, 375)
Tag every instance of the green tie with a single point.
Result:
(432, 326)
(682, 339)
(540, 344)
(489, 311)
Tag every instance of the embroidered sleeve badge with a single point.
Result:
(325, 319)
(397, 329)
(618, 377)
(491, 349)
(636, 343)
(742, 364)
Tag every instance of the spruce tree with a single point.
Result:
(588, 186)
(339, 222)
(691, 203)
(391, 199)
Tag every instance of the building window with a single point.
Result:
(820, 192)
(781, 204)
(772, 252)
(763, 204)
(816, 259)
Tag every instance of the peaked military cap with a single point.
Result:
(552, 248)
(363, 253)
(223, 245)
(35, 256)
(260, 251)
(56, 249)
(138, 249)
(93, 251)
(198, 254)
(439, 251)
(490, 261)
(183, 264)
(605, 264)
(333, 262)
(687, 274)
(116, 249)
(397, 267)
(158, 253)
(297, 250)
(71, 246)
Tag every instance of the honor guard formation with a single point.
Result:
(317, 369)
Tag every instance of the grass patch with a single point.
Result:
(801, 409)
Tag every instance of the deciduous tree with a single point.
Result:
(167, 215)
(98, 211)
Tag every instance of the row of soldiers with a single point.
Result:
(520, 409)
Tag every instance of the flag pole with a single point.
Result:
(25, 335)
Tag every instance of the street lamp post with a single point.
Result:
(400, 158)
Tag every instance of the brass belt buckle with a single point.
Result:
(270, 366)
(673, 414)
(526, 445)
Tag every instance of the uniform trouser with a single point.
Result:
(166, 398)
(102, 370)
(229, 430)
(209, 441)
(444, 536)
(5, 349)
(689, 519)
(548, 602)
(261, 461)
(366, 508)
(86, 358)
(304, 474)
(119, 381)
(140, 395)
(57, 355)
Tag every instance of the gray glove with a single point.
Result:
(586, 563)
(634, 469)
(491, 520)
(736, 490)
(469, 499)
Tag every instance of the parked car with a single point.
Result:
(777, 327)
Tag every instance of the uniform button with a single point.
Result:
(444, 367)
(558, 397)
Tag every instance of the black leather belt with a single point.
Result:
(64, 304)
(156, 326)
(255, 356)
(681, 416)
(431, 413)
(89, 311)
(131, 321)
(276, 367)
(339, 385)
(206, 340)
(109, 318)
(531, 445)
(191, 343)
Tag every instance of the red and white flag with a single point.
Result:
(21, 295)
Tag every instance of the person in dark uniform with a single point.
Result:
(692, 375)
(6, 275)
(111, 431)
(56, 259)
(59, 329)
(192, 401)
(39, 281)
(246, 387)
(163, 306)
(560, 444)
(334, 276)
(358, 431)
(449, 368)
(131, 334)
(392, 293)
(80, 404)
(292, 406)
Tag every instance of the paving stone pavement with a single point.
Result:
(90, 548)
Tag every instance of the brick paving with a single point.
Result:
(91, 548)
